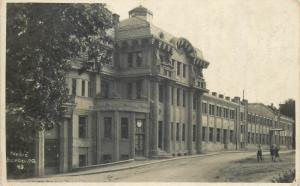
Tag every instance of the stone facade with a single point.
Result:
(151, 101)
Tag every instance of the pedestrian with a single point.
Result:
(259, 153)
(272, 152)
(276, 153)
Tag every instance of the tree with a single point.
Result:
(288, 109)
(41, 41)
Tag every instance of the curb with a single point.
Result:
(151, 163)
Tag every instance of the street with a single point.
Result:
(227, 167)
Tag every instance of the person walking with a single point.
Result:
(272, 152)
(276, 153)
(259, 153)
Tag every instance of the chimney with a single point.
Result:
(116, 19)
(227, 98)
(214, 93)
(221, 96)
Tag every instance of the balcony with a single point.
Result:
(200, 83)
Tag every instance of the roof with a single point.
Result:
(136, 27)
(140, 9)
(261, 109)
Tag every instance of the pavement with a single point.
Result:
(137, 164)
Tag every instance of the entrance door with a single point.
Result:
(51, 156)
(139, 137)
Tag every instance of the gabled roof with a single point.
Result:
(261, 109)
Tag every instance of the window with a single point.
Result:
(242, 129)
(231, 136)
(183, 70)
(211, 133)
(107, 127)
(204, 108)
(225, 136)
(178, 97)
(129, 90)
(183, 132)
(194, 132)
(161, 94)
(83, 156)
(82, 127)
(130, 60)
(232, 114)
(124, 128)
(106, 158)
(178, 68)
(252, 138)
(73, 86)
(183, 98)
(248, 137)
(203, 133)
(218, 135)
(219, 111)
(104, 89)
(242, 116)
(82, 160)
(211, 109)
(139, 89)
(139, 59)
(177, 131)
(83, 88)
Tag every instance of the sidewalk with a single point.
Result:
(141, 163)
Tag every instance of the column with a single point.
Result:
(190, 121)
(132, 135)
(199, 123)
(154, 105)
(98, 137)
(147, 127)
(116, 155)
(168, 118)
(63, 145)
(39, 154)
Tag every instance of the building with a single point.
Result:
(151, 101)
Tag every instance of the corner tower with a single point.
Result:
(141, 12)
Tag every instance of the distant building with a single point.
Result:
(151, 101)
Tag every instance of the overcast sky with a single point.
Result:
(251, 45)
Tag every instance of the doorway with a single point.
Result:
(139, 138)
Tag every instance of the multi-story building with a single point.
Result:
(151, 101)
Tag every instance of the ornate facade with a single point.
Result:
(151, 101)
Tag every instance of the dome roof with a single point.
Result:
(140, 9)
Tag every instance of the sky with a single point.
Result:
(251, 45)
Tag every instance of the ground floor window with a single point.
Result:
(211, 133)
(106, 158)
(183, 132)
(177, 131)
(124, 157)
(218, 135)
(224, 136)
(83, 156)
(231, 136)
(194, 132)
